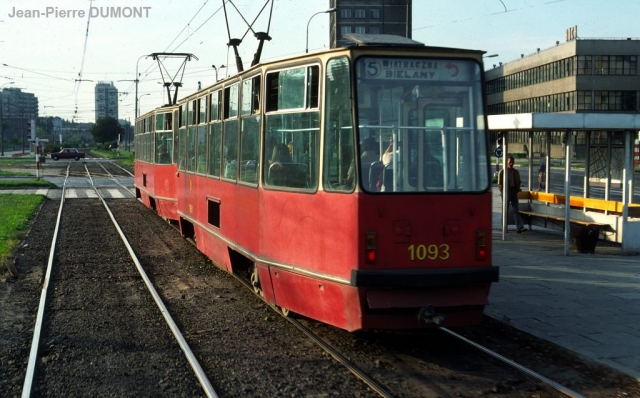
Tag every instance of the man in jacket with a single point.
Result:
(512, 192)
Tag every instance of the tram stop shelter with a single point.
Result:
(606, 200)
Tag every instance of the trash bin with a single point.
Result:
(584, 238)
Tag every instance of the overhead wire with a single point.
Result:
(84, 53)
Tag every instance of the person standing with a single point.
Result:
(542, 175)
(513, 179)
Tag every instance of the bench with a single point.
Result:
(547, 210)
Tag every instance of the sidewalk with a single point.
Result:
(588, 303)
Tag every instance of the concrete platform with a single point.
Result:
(588, 303)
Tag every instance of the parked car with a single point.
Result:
(67, 153)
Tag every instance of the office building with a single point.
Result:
(579, 75)
(17, 109)
(106, 100)
(391, 17)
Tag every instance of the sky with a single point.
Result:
(61, 55)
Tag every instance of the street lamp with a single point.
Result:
(216, 69)
(321, 12)
(136, 80)
(1, 132)
(138, 99)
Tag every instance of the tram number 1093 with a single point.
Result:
(430, 252)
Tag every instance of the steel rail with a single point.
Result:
(35, 342)
(559, 387)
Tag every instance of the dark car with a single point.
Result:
(67, 153)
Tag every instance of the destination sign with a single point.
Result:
(417, 69)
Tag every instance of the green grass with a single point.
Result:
(17, 161)
(125, 158)
(16, 184)
(14, 173)
(15, 211)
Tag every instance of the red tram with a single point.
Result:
(351, 185)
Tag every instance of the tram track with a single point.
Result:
(73, 340)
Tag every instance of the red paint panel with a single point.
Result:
(309, 297)
(313, 231)
(420, 231)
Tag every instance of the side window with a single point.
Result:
(183, 115)
(250, 132)
(293, 89)
(201, 149)
(202, 117)
(339, 165)
(215, 135)
(230, 137)
(215, 149)
(164, 140)
(191, 148)
(292, 128)
(214, 99)
(182, 149)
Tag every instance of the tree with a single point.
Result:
(106, 129)
(41, 133)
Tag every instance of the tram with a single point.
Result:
(350, 186)
(154, 169)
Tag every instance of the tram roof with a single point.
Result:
(565, 121)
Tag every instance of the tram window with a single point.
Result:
(201, 150)
(189, 119)
(160, 121)
(339, 167)
(230, 149)
(164, 143)
(191, 148)
(182, 149)
(433, 118)
(215, 149)
(295, 88)
(251, 96)
(231, 101)
(291, 150)
(250, 149)
(183, 115)
(168, 121)
(202, 117)
(215, 106)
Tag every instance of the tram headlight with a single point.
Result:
(371, 245)
(481, 245)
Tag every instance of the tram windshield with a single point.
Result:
(420, 125)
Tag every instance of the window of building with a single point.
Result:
(601, 64)
(374, 13)
(374, 30)
(584, 64)
(584, 100)
(360, 13)
(345, 29)
(345, 13)
(361, 29)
